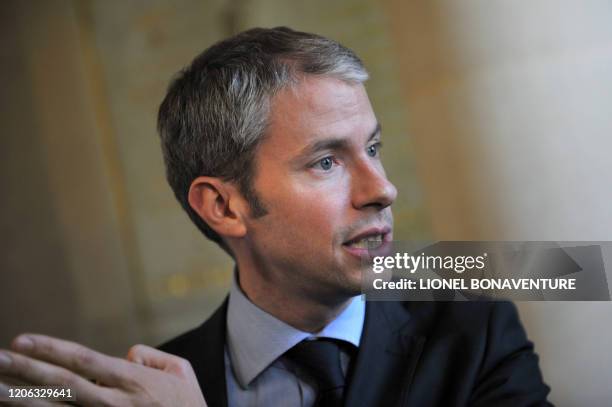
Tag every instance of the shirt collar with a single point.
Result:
(256, 339)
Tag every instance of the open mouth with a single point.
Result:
(371, 243)
(368, 242)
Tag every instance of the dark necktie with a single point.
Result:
(320, 359)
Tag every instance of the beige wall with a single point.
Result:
(64, 269)
(509, 106)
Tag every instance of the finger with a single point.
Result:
(172, 364)
(38, 373)
(11, 381)
(151, 357)
(75, 357)
(155, 358)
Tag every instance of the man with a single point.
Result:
(273, 149)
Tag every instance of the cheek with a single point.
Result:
(307, 212)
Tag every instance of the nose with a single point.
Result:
(371, 188)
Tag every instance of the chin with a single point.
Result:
(352, 284)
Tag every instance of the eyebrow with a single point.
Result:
(332, 144)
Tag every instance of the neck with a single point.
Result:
(294, 308)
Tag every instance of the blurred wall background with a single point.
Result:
(496, 122)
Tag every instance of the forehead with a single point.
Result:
(317, 108)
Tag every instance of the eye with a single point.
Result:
(325, 163)
(373, 150)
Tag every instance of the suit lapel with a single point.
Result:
(210, 370)
(387, 357)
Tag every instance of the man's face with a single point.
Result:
(319, 175)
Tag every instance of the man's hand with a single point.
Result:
(148, 377)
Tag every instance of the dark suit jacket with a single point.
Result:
(411, 354)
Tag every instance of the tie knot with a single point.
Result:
(320, 359)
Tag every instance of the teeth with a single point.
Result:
(370, 242)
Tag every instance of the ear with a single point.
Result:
(220, 205)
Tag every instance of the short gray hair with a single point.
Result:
(216, 110)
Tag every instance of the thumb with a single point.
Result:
(155, 358)
(174, 365)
